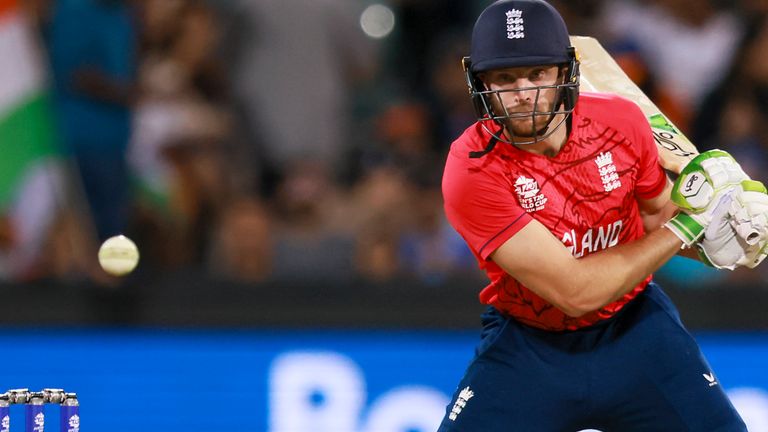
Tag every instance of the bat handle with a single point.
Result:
(748, 233)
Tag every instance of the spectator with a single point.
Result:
(379, 207)
(180, 152)
(242, 245)
(311, 242)
(376, 252)
(293, 75)
(429, 248)
(687, 45)
(40, 12)
(421, 26)
(450, 112)
(743, 133)
(93, 55)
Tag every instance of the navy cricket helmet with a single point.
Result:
(513, 33)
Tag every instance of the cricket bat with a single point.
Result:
(600, 73)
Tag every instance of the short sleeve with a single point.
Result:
(480, 204)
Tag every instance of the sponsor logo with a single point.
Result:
(326, 391)
(696, 190)
(658, 121)
(710, 377)
(39, 422)
(74, 423)
(461, 402)
(692, 180)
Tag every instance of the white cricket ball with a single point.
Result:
(118, 255)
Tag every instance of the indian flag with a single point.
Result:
(26, 136)
(30, 171)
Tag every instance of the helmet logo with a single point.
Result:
(515, 25)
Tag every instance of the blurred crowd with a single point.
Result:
(274, 140)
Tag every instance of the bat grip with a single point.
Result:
(748, 233)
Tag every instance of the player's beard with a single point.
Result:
(525, 123)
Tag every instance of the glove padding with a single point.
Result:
(700, 189)
(741, 238)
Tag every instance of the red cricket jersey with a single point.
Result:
(586, 196)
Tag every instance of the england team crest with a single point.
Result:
(607, 170)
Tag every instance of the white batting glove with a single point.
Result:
(749, 212)
(721, 247)
(741, 239)
(702, 191)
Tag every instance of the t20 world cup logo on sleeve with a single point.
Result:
(529, 194)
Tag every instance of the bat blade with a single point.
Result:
(600, 73)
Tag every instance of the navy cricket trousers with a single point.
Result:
(638, 371)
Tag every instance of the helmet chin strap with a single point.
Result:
(542, 134)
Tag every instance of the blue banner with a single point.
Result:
(288, 381)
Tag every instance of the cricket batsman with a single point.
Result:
(561, 198)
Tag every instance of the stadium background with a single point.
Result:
(278, 164)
